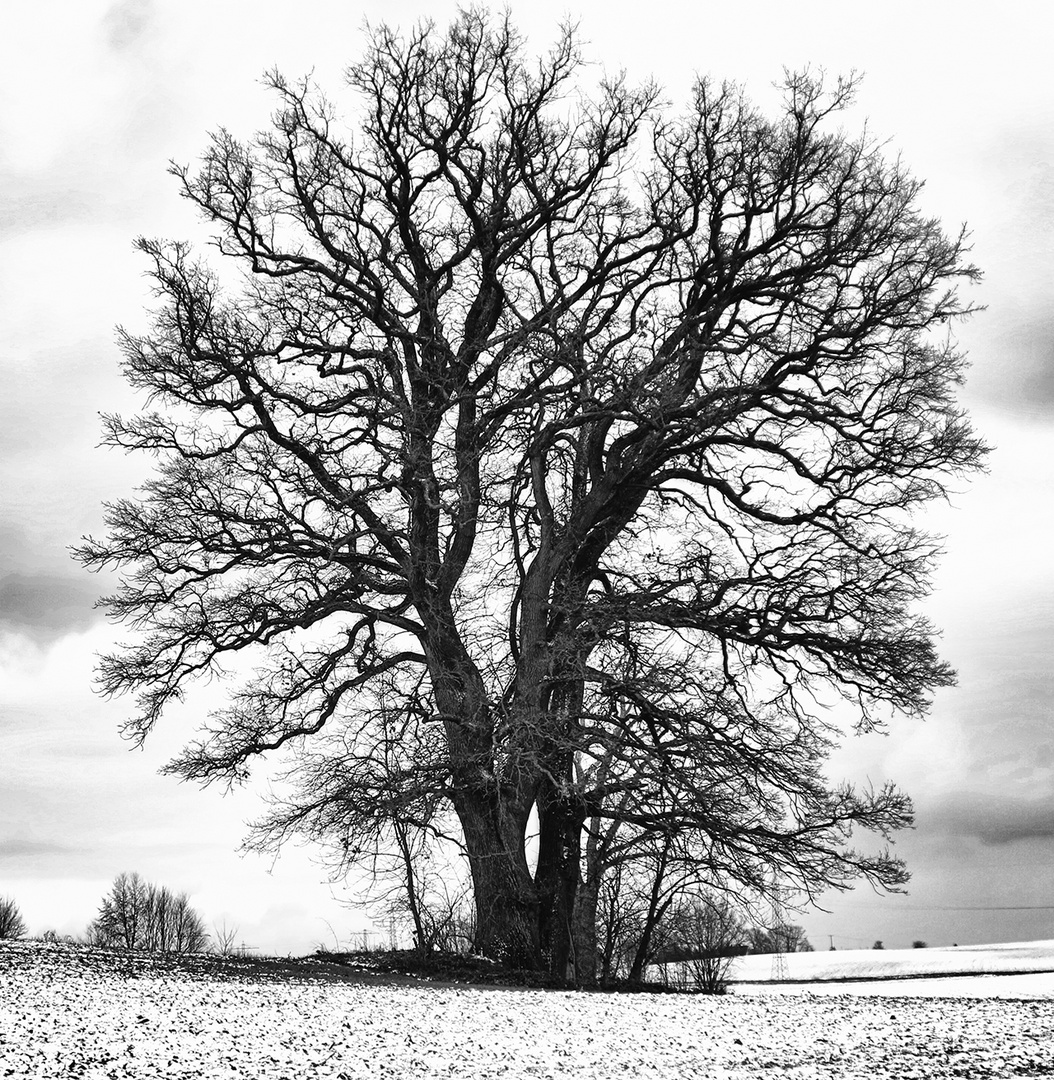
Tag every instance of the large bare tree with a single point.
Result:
(582, 436)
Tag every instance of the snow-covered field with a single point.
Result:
(894, 963)
(66, 1012)
(1009, 970)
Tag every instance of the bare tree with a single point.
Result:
(12, 925)
(375, 798)
(158, 918)
(603, 913)
(709, 933)
(619, 914)
(448, 919)
(794, 939)
(138, 915)
(519, 380)
(187, 933)
(223, 937)
(123, 914)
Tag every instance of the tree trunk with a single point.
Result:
(607, 954)
(413, 899)
(559, 851)
(585, 932)
(655, 913)
(493, 816)
(507, 907)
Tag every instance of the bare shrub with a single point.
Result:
(708, 935)
(223, 938)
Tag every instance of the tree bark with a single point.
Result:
(585, 932)
(413, 898)
(656, 910)
(507, 906)
(559, 853)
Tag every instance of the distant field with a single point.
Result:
(1015, 970)
(1025, 956)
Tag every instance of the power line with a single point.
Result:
(1015, 907)
(942, 907)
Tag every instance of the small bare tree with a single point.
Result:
(449, 918)
(158, 919)
(620, 915)
(782, 937)
(223, 937)
(122, 914)
(377, 805)
(12, 925)
(711, 934)
(187, 933)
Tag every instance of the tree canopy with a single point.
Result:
(548, 453)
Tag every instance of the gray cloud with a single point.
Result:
(996, 724)
(1015, 358)
(18, 848)
(46, 606)
(992, 818)
(37, 201)
(126, 22)
(17, 551)
(1006, 721)
(1012, 343)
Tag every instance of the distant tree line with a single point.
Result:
(134, 914)
(784, 937)
(138, 915)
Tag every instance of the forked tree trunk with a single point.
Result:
(493, 818)
(507, 906)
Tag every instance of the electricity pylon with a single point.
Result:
(778, 934)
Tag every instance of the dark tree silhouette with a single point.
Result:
(137, 915)
(587, 434)
(12, 925)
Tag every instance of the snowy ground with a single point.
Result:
(1024, 956)
(77, 1013)
(1037, 985)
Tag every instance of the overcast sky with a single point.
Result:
(97, 97)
